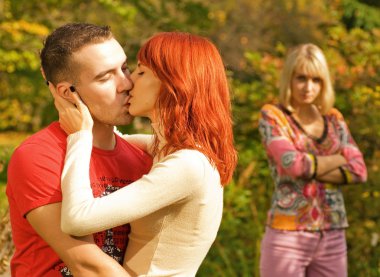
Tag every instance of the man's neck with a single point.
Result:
(103, 136)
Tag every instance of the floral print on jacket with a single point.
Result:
(300, 202)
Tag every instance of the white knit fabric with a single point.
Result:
(175, 210)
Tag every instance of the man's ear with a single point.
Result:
(63, 90)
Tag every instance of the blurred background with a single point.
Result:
(253, 37)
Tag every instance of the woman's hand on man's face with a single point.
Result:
(72, 117)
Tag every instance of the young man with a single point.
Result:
(87, 59)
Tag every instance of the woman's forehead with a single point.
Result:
(308, 68)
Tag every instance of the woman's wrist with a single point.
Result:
(315, 173)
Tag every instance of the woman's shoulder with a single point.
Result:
(188, 162)
(271, 108)
(187, 156)
(192, 159)
(274, 113)
(335, 114)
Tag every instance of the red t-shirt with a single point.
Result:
(34, 175)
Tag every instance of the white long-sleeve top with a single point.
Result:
(175, 210)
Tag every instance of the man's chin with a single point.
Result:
(130, 119)
(121, 121)
(125, 120)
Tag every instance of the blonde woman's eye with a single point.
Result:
(301, 78)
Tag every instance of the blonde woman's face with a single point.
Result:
(305, 88)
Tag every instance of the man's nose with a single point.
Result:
(125, 82)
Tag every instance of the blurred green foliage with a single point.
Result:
(253, 37)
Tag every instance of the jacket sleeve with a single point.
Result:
(281, 151)
(355, 171)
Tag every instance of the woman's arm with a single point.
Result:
(354, 171)
(171, 180)
(326, 164)
(142, 141)
(275, 132)
(334, 177)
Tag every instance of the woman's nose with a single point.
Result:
(309, 84)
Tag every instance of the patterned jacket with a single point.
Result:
(300, 202)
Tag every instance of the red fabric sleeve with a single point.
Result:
(34, 174)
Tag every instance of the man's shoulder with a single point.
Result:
(35, 168)
(51, 138)
(48, 144)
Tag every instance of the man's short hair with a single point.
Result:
(56, 55)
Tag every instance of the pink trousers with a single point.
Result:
(299, 254)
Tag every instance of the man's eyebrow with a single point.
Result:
(102, 73)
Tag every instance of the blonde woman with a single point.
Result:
(311, 154)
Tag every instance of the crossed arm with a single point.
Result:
(82, 256)
(347, 166)
(328, 169)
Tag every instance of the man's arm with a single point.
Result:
(82, 256)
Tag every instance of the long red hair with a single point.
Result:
(194, 100)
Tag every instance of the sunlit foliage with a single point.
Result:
(253, 37)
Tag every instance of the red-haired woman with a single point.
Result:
(175, 211)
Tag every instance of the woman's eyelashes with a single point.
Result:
(138, 71)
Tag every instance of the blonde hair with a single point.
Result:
(310, 59)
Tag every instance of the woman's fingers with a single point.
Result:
(87, 121)
(63, 126)
(77, 100)
(73, 113)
